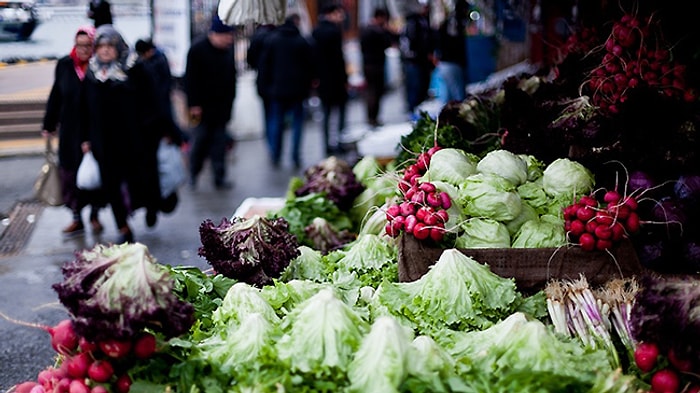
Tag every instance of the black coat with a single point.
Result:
(254, 52)
(120, 117)
(63, 112)
(210, 81)
(286, 66)
(330, 62)
(100, 12)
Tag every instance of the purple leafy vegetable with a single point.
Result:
(254, 250)
(334, 178)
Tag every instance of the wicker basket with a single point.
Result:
(531, 268)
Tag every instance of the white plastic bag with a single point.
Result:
(88, 177)
(242, 12)
(171, 168)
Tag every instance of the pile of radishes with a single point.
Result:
(636, 56)
(89, 367)
(422, 212)
(664, 373)
(599, 226)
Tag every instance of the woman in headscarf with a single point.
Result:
(62, 117)
(120, 106)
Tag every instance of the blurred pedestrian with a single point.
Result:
(417, 45)
(63, 117)
(332, 73)
(452, 53)
(286, 67)
(100, 11)
(257, 44)
(375, 39)
(210, 86)
(120, 103)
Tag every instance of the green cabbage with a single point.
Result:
(450, 165)
(505, 164)
(483, 233)
(489, 196)
(526, 214)
(567, 179)
(540, 233)
(381, 363)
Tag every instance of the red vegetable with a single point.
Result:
(115, 348)
(645, 356)
(665, 381)
(100, 371)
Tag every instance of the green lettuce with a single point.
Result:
(451, 166)
(505, 164)
(539, 233)
(483, 233)
(241, 300)
(567, 179)
(489, 196)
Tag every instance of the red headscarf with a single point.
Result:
(79, 65)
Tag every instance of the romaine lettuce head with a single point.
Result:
(567, 179)
(366, 169)
(320, 335)
(540, 233)
(431, 368)
(483, 233)
(381, 362)
(240, 300)
(285, 296)
(450, 165)
(520, 349)
(368, 252)
(505, 164)
(489, 196)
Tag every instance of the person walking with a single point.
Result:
(375, 39)
(114, 115)
(287, 69)
(417, 49)
(332, 73)
(452, 53)
(257, 44)
(100, 11)
(63, 117)
(210, 87)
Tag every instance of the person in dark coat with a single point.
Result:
(257, 44)
(120, 104)
(452, 53)
(100, 11)
(63, 117)
(210, 86)
(375, 39)
(287, 69)
(332, 73)
(417, 45)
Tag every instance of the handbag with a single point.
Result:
(47, 187)
(88, 176)
(171, 168)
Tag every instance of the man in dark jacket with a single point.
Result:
(210, 86)
(375, 39)
(452, 53)
(332, 74)
(286, 70)
(257, 44)
(100, 11)
(417, 46)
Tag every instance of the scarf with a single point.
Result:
(107, 71)
(80, 66)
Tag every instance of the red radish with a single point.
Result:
(645, 356)
(392, 211)
(632, 224)
(422, 213)
(586, 213)
(63, 385)
(445, 200)
(420, 231)
(25, 387)
(418, 197)
(587, 242)
(433, 200)
(78, 386)
(588, 200)
(410, 222)
(99, 389)
(443, 216)
(665, 381)
(100, 371)
(436, 234)
(123, 384)
(433, 150)
(427, 187)
(618, 231)
(612, 196)
(693, 389)
(577, 227)
(145, 345)
(603, 232)
(604, 218)
(407, 208)
(591, 226)
(78, 364)
(681, 364)
(430, 219)
(603, 244)
(85, 345)
(118, 348)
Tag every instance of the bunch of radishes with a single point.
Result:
(664, 373)
(423, 210)
(89, 367)
(635, 56)
(599, 226)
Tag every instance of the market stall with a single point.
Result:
(541, 235)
